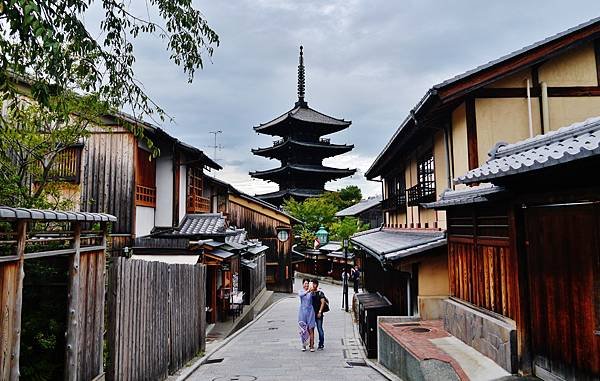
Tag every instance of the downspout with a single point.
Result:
(530, 119)
(382, 196)
(545, 108)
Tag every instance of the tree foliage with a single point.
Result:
(345, 228)
(50, 43)
(56, 78)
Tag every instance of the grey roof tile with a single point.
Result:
(575, 142)
(359, 207)
(202, 224)
(8, 213)
(471, 195)
(305, 114)
(389, 245)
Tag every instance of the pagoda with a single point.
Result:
(301, 150)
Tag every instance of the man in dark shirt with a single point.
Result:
(318, 302)
(355, 278)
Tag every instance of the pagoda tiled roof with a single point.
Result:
(324, 147)
(305, 169)
(297, 192)
(308, 115)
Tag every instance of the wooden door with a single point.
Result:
(563, 255)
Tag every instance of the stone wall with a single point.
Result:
(495, 337)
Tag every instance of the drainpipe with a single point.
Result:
(545, 108)
(382, 195)
(529, 109)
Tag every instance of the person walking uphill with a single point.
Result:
(306, 316)
(319, 302)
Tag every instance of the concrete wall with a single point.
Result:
(577, 67)
(164, 191)
(433, 286)
(144, 220)
(495, 338)
(182, 191)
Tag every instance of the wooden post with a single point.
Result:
(16, 344)
(101, 301)
(73, 311)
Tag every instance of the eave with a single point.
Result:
(321, 149)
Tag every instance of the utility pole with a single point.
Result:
(346, 275)
(216, 145)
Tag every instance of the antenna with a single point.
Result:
(216, 145)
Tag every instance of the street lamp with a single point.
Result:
(345, 276)
(322, 235)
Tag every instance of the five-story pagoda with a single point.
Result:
(301, 150)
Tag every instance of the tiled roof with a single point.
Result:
(208, 224)
(306, 168)
(389, 245)
(471, 195)
(8, 213)
(305, 114)
(293, 192)
(575, 142)
(331, 246)
(359, 207)
(239, 237)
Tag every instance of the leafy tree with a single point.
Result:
(350, 195)
(49, 56)
(312, 211)
(345, 228)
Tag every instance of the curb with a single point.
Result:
(192, 368)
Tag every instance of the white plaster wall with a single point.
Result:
(164, 191)
(144, 220)
(182, 191)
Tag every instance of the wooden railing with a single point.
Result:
(422, 192)
(67, 165)
(145, 196)
(394, 201)
(198, 204)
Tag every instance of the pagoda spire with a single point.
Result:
(301, 85)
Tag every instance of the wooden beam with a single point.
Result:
(72, 360)
(16, 337)
(471, 133)
(521, 92)
(530, 57)
(597, 55)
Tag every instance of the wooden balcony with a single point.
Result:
(198, 204)
(145, 196)
(394, 201)
(422, 192)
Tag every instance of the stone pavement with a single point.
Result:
(269, 349)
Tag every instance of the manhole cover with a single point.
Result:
(420, 330)
(235, 378)
(213, 361)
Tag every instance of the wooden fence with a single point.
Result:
(254, 278)
(157, 319)
(85, 251)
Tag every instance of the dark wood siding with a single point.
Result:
(563, 252)
(108, 177)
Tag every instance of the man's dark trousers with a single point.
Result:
(319, 322)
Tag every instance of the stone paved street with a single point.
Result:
(269, 349)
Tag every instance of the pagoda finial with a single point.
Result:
(301, 84)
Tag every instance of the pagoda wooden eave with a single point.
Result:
(321, 149)
(299, 169)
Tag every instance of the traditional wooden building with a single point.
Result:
(112, 171)
(301, 150)
(528, 249)
(536, 89)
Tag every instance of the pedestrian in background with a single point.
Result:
(320, 305)
(306, 316)
(355, 277)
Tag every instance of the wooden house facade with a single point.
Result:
(528, 248)
(113, 172)
(537, 89)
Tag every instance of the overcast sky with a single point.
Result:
(366, 61)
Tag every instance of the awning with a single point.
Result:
(331, 246)
(258, 249)
(393, 244)
(171, 259)
(221, 254)
(340, 254)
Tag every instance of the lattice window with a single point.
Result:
(424, 191)
(196, 202)
(145, 179)
(396, 192)
(67, 165)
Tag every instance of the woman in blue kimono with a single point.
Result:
(306, 316)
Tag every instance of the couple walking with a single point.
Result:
(313, 304)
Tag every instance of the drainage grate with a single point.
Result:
(237, 377)
(213, 361)
(356, 363)
(420, 330)
(273, 328)
(405, 324)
